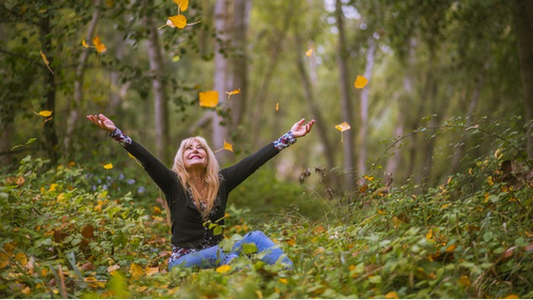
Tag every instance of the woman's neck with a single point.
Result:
(198, 180)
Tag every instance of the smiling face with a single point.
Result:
(195, 156)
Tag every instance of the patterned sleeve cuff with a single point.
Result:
(285, 141)
(120, 137)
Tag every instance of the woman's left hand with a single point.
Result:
(299, 129)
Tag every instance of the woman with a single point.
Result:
(196, 192)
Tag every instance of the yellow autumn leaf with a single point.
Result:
(223, 269)
(283, 280)
(309, 52)
(46, 62)
(512, 296)
(44, 113)
(113, 268)
(100, 47)
(53, 187)
(4, 260)
(183, 4)
(136, 271)
(234, 92)
(151, 271)
(429, 235)
(445, 206)
(208, 98)
(465, 281)
(84, 43)
(95, 283)
(228, 146)
(178, 21)
(277, 106)
(391, 295)
(360, 82)
(21, 258)
(108, 166)
(343, 127)
(451, 248)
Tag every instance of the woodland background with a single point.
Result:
(430, 189)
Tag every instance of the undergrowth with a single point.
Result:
(469, 237)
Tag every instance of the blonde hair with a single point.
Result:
(212, 178)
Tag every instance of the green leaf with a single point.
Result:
(249, 248)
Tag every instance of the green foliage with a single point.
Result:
(467, 237)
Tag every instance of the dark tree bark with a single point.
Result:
(523, 21)
(50, 140)
(346, 105)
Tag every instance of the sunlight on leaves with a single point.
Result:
(360, 82)
(234, 92)
(223, 269)
(46, 62)
(309, 52)
(108, 166)
(100, 47)
(208, 98)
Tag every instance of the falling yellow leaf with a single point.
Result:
(342, 127)
(100, 47)
(108, 166)
(391, 295)
(178, 21)
(228, 146)
(283, 280)
(429, 235)
(136, 271)
(46, 62)
(84, 43)
(44, 113)
(309, 52)
(360, 82)
(234, 92)
(183, 4)
(223, 269)
(277, 106)
(208, 98)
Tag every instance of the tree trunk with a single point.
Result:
(239, 62)
(363, 129)
(346, 105)
(159, 89)
(260, 97)
(311, 102)
(523, 20)
(118, 90)
(50, 140)
(78, 82)
(219, 124)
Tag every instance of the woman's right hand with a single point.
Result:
(104, 122)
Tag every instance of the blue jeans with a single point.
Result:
(215, 256)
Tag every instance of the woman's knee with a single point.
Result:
(256, 234)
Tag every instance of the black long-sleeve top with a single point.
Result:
(188, 228)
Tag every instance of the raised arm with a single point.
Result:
(161, 175)
(246, 167)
